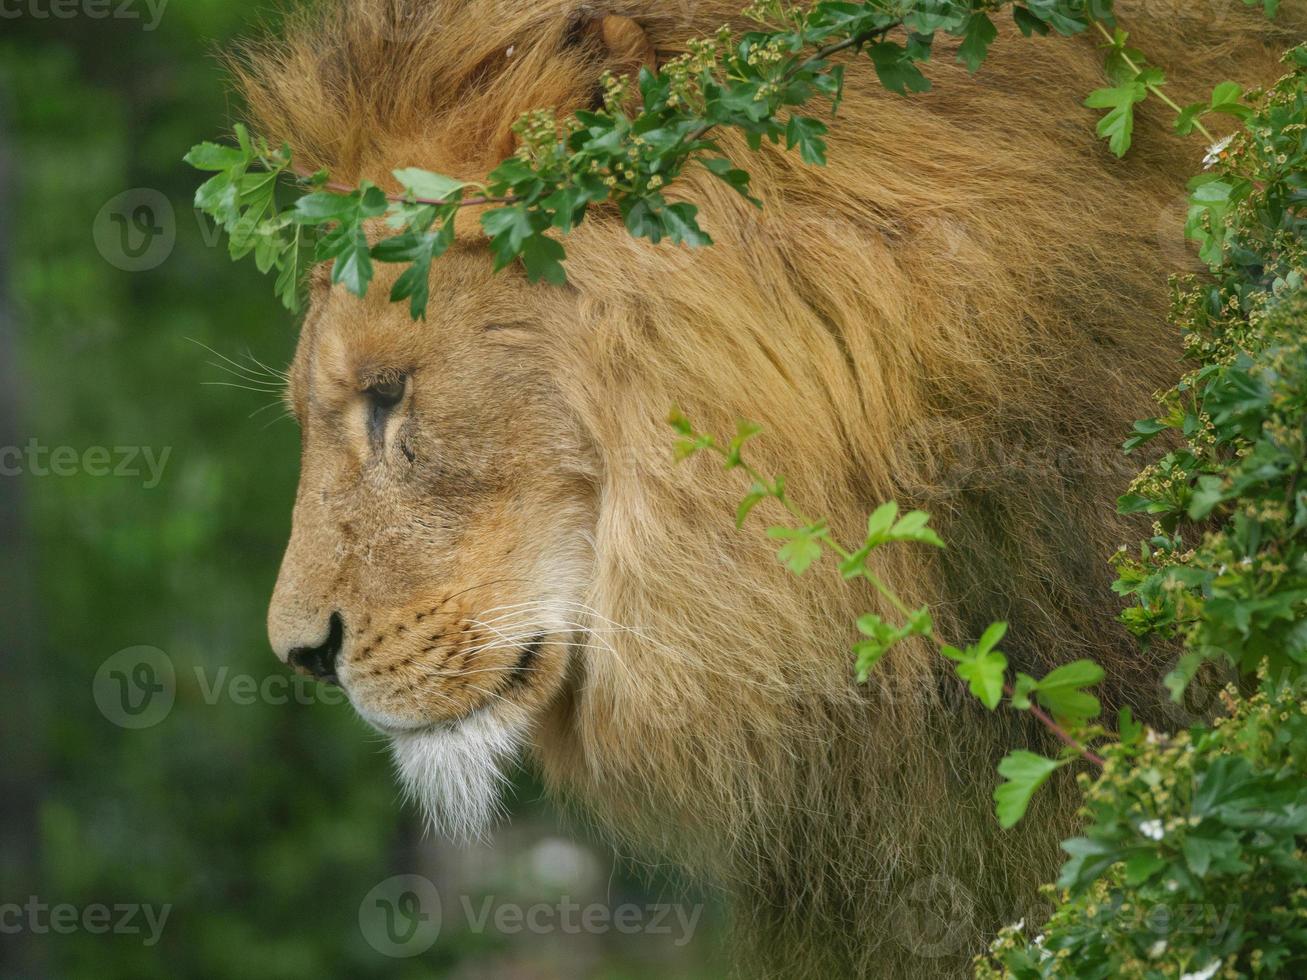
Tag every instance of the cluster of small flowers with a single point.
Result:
(705, 56)
(768, 55)
(1153, 482)
(617, 88)
(764, 11)
(543, 135)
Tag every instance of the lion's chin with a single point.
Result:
(457, 773)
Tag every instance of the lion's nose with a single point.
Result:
(320, 661)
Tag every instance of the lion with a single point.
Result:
(496, 557)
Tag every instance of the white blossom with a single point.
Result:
(1206, 973)
(1214, 152)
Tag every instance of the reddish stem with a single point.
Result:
(1060, 732)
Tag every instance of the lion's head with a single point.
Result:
(444, 527)
(493, 552)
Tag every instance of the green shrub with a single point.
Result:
(1192, 864)
(1192, 860)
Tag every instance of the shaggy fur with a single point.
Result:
(963, 311)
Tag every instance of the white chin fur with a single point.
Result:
(457, 774)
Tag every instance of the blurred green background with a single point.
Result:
(265, 827)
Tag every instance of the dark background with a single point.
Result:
(266, 826)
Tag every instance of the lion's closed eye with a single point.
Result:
(386, 394)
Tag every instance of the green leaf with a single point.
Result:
(218, 197)
(874, 626)
(1023, 773)
(854, 565)
(1186, 122)
(1117, 127)
(992, 636)
(980, 34)
(430, 186)
(677, 420)
(508, 228)
(984, 676)
(685, 448)
(731, 175)
(802, 547)
(543, 258)
(895, 68)
(744, 431)
(881, 519)
(268, 247)
(867, 653)
(568, 206)
(912, 527)
(1078, 673)
(323, 206)
(751, 500)
(352, 263)
(419, 249)
(1022, 688)
(1129, 731)
(1186, 668)
(1061, 690)
(213, 156)
(1141, 866)
(681, 224)
(1028, 22)
(1227, 98)
(806, 133)
(882, 636)
(1089, 859)
(292, 269)
(981, 666)
(919, 623)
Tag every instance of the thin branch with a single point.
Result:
(1061, 733)
(1155, 89)
(466, 202)
(1039, 713)
(821, 54)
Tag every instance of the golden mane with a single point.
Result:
(964, 311)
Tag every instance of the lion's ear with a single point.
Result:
(597, 41)
(628, 45)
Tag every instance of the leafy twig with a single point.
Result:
(981, 665)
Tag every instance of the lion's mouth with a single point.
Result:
(424, 728)
(514, 677)
(526, 662)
